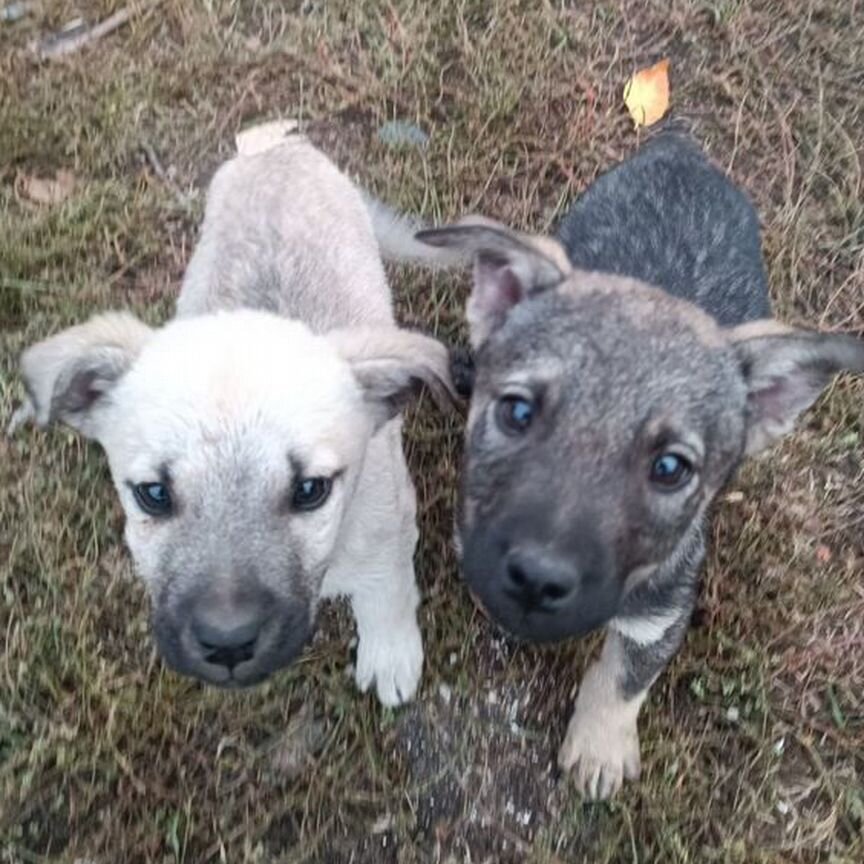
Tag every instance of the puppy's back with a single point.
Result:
(667, 216)
(284, 230)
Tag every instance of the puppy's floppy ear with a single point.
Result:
(508, 267)
(68, 375)
(785, 371)
(390, 365)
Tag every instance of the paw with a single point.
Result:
(601, 753)
(393, 661)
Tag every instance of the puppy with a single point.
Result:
(255, 440)
(623, 371)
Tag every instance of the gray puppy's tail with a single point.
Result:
(395, 232)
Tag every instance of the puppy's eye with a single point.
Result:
(310, 493)
(153, 498)
(670, 472)
(515, 414)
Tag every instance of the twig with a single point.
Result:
(59, 45)
(21, 415)
(159, 170)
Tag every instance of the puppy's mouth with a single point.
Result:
(540, 626)
(240, 676)
(237, 665)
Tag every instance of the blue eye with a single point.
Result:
(515, 414)
(671, 471)
(310, 493)
(153, 498)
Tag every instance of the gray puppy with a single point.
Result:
(608, 413)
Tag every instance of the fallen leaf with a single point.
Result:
(646, 94)
(46, 190)
(293, 750)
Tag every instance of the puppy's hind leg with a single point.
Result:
(377, 574)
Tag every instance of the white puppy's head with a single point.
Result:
(235, 441)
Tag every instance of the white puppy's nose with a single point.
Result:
(228, 635)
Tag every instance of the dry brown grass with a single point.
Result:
(753, 739)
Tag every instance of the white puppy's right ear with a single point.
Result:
(390, 364)
(509, 267)
(68, 375)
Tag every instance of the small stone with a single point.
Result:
(398, 133)
(382, 824)
(823, 553)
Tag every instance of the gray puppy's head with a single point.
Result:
(235, 441)
(605, 416)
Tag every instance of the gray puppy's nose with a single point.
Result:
(537, 580)
(227, 636)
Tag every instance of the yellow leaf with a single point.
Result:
(646, 94)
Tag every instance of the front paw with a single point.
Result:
(601, 751)
(393, 661)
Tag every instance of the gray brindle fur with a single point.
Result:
(607, 414)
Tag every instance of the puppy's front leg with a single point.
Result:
(389, 647)
(375, 569)
(602, 741)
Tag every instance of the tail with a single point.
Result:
(395, 232)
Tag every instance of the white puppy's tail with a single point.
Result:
(395, 232)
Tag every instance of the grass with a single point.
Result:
(752, 740)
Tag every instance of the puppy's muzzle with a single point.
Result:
(236, 642)
(537, 590)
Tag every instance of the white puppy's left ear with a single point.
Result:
(68, 375)
(390, 365)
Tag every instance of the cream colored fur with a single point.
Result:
(284, 352)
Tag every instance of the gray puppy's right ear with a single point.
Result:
(68, 375)
(508, 267)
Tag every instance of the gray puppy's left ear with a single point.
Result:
(391, 365)
(785, 371)
(509, 266)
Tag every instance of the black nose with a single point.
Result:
(539, 581)
(227, 637)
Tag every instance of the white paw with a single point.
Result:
(393, 661)
(601, 751)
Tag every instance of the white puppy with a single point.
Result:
(255, 440)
